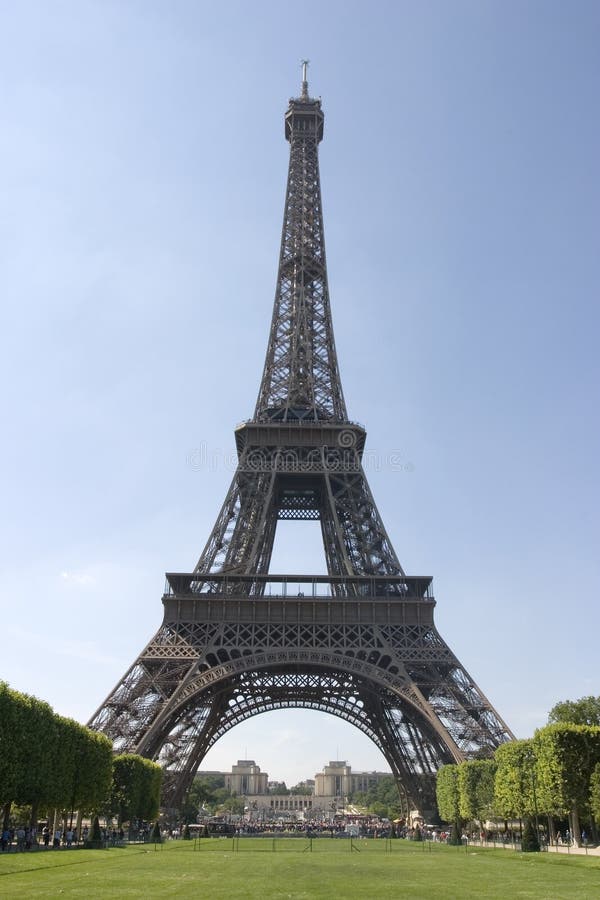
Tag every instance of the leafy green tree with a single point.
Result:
(566, 757)
(135, 790)
(382, 798)
(514, 784)
(278, 787)
(24, 770)
(49, 760)
(13, 751)
(530, 842)
(378, 809)
(93, 769)
(221, 795)
(301, 790)
(448, 799)
(202, 793)
(83, 767)
(94, 839)
(213, 781)
(231, 804)
(151, 785)
(43, 761)
(476, 789)
(585, 711)
(595, 792)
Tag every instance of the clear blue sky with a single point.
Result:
(142, 169)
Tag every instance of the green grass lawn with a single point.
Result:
(249, 868)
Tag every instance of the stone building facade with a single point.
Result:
(246, 778)
(338, 780)
(331, 791)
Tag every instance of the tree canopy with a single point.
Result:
(514, 785)
(205, 792)
(595, 792)
(476, 789)
(585, 711)
(382, 799)
(448, 794)
(135, 788)
(278, 787)
(566, 756)
(49, 760)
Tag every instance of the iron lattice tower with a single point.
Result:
(360, 642)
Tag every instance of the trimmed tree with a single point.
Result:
(135, 789)
(448, 799)
(13, 752)
(514, 784)
(566, 758)
(93, 769)
(595, 792)
(476, 789)
(530, 842)
(48, 760)
(94, 840)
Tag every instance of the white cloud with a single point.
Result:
(82, 579)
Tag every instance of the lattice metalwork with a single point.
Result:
(301, 378)
(359, 643)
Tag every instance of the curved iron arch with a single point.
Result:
(220, 697)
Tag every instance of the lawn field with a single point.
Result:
(291, 870)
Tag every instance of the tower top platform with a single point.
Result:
(304, 116)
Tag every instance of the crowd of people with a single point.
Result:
(346, 826)
(25, 838)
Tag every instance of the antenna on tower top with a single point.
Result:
(304, 63)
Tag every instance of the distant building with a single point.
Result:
(337, 780)
(246, 778)
(307, 785)
(330, 791)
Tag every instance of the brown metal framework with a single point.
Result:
(359, 643)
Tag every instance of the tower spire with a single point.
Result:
(304, 63)
(301, 378)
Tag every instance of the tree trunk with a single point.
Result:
(6, 814)
(594, 829)
(33, 821)
(576, 827)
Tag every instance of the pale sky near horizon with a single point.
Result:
(142, 176)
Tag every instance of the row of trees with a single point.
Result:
(208, 792)
(556, 774)
(48, 760)
(381, 799)
(52, 763)
(280, 788)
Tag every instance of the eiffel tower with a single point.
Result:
(360, 642)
